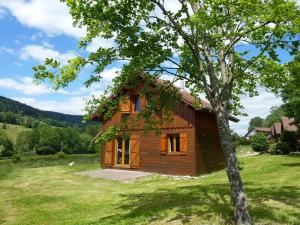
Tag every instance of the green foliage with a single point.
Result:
(16, 158)
(282, 148)
(4, 126)
(25, 142)
(287, 143)
(275, 116)
(45, 140)
(92, 129)
(200, 46)
(259, 143)
(291, 89)
(60, 155)
(6, 145)
(239, 140)
(255, 122)
(14, 112)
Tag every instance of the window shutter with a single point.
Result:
(183, 144)
(163, 144)
(108, 154)
(134, 151)
(125, 104)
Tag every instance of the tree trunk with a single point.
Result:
(238, 195)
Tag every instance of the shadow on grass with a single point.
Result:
(292, 164)
(209, 202)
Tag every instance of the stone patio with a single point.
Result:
(114, 174)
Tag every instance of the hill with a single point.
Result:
(12, 131)
(52, 118)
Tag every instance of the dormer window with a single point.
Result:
(137, 104)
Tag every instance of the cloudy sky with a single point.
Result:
(35, 29)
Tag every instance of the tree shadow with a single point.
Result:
(204, 201)
(297, 164)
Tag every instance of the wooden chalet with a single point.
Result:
(188, 145)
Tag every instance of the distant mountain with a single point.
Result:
(52, 118)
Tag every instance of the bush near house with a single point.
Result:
(287, 143)
(259, 143)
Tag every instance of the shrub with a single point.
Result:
(16, 158)
(45, 150)
(259, 143)
(272, 148)
(282, 148)
(291, 139)
(4, 126)
(6, 146)
(61, 155)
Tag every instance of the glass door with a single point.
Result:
(122, 151)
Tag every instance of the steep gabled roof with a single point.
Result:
(263, 129)
(276, 128)
(288, 124)
(185, 97)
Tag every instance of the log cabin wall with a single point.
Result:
(209, 154)
(151, 158)
(153, 161)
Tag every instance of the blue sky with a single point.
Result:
(35, 29)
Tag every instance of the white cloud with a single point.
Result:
(40, 53)
(73, 105)
(26, 86)
(6, 50)
(110, 74)
(50, 16)
(99, 42)
(256, 106)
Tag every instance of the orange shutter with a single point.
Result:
(125, 104)
(183, 144)
(134, 151)
(108, 154)
(163, 144)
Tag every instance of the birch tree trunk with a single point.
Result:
(238, 195)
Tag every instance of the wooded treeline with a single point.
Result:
(46, 140)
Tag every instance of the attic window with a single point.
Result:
(137, 104)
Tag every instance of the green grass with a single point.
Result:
(54, 194)
(244, 150)
(13, 131)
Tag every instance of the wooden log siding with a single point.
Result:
(183, 117)
(209, 154)
(201, 152)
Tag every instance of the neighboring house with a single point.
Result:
(188, 145)
(288, 124)
(255, 130)
(275, 131)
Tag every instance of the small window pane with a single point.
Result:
(126, 153)
(177, 143)
(137, 105)
(174, 143)
(119, 151)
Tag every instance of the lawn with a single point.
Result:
(46, 191)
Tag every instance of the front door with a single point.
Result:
(122, 152)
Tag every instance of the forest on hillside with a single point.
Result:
(25, 130)
(14, 112)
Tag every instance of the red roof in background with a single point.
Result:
(277, 128)
(263, 129)
(288, 124)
